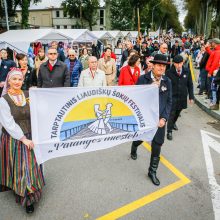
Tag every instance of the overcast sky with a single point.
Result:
(56, 3)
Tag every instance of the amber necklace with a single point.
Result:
(17, 96)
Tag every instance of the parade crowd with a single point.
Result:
(162, 61)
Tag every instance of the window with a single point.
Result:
(101, 29)
(65, 26)
(58, 26)
(64, 14)
(101, 13)
(57, 14)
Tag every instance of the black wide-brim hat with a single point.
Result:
(160, 59)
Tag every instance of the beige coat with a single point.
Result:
(38, 62)
(109, 68)
(86, 79)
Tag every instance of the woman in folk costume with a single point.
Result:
(19, 170)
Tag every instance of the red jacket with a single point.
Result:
(213, 61)
(126, 77)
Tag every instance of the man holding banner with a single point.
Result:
(156, 76)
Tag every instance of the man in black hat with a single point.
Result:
(157, 77)
(182, 85)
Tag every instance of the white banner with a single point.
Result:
(68, 121)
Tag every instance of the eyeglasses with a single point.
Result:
(52, 53)
(165, 48)
(71, 55)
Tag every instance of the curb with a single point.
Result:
(213, 113)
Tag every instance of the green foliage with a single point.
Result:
(121, 15)
(196, 15)
(83, 9)
(124, 15)
(13, 4)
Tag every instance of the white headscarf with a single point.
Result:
(11, 73)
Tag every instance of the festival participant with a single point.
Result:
(53, 73)
(108, 65)
(30, 78)
(130, 73)
(157, 77)
(84, 58)
(74, 67)
(92, 76)
(148, 66)
(182, 86)
(39, 59)
(5, 65)
(19, 170)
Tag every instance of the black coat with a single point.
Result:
(182, 86)
(165, 102)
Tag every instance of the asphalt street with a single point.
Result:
(89, 186)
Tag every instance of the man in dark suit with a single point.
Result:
(157, 77)
(53, 73)
(182, 85)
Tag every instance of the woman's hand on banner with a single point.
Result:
(28, 143)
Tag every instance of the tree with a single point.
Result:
(82, 9)
(13, 4)
(121, 15)
(124, 14)
(205, 16)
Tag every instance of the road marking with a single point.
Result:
(208, 142)
(192, 69)
(124, 210)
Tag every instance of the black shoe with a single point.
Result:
(154, 162)
(169, 136)
(134, 156)
(30, 209)
(175, 127)
(134, 147)
(154, 179)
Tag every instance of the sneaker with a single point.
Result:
(214, 107)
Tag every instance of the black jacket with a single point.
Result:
(59, 77)
(165, 102)
(204, 60)
(30, 79)
(165, 96)
(5, 67)
(182, 86)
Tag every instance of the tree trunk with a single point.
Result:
(209, 21)
(25, 14)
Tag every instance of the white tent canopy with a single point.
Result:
(78, 35)
(116, 34)
(103, 35)
(21, 39)
(134, 34)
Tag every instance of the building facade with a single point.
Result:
(58, 19)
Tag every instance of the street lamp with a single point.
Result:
(153, 14)
(6, 14)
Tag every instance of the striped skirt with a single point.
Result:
(19, 171)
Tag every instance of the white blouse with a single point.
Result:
(7, 121)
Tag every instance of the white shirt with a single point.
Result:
(7, 121)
